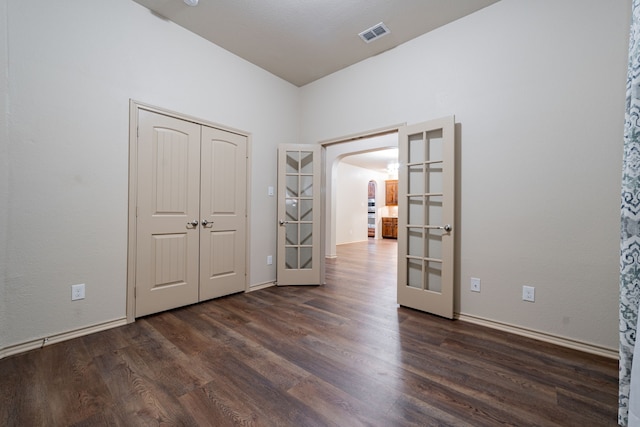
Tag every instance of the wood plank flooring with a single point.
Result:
(343, 354)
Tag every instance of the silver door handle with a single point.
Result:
(205, 223)
(193, 223)
(446, 228)
(283, 222)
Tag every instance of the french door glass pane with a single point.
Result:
(416, 179)
(292, 209)
(434, 178)
(291, 231)
(292, 185)
(291, 258)
(293, 158)
(415, 247)
(416, 148)
(306, 260)
(306, 182)
(433, 280)
(434, 210)
(414, 273)
(306, 162)
(434, 139)
(306, 210)
(306, 234)
(416, 211)
(433, 242)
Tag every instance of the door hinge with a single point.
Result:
(138, 132)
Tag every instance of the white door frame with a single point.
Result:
(134, 108)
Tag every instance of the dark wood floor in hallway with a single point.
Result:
(342, 354)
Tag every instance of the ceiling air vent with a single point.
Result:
(375, 32)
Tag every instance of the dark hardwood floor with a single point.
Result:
(342, 354)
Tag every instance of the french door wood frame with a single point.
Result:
(134, 109)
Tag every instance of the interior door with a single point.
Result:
(299, 260)
(168, 203)
(222, 213)
(426, 207)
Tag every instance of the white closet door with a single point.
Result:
(222, 213)
(168, 203)
(191, 218)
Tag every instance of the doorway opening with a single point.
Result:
(367, 155)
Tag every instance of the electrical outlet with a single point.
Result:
(475, 284)
(528, 293)
(269, 259)
(77, 292)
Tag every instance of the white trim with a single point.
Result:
(142, 106)
(259, 286)
(64, 336)
(362, 135)
(586, 347)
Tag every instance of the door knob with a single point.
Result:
(205, 223)
(446, 228)
(283, 222)
(193, 223)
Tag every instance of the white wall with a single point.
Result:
(73, 66)
(538, 91)
(351, 201)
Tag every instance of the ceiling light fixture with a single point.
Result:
(191, 2)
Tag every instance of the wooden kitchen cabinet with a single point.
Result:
(390, 227)
(391, 192)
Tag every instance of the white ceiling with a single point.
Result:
(304, 40)
(376, 160)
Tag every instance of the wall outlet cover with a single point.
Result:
(77, 292)
(529, 293)
(475, 284)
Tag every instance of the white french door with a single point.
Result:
(426, 207)
(299, 260)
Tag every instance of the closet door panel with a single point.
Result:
(168, 200)
(223, 213)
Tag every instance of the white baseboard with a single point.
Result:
(64, 336)
(541, 336)
(258, 286)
